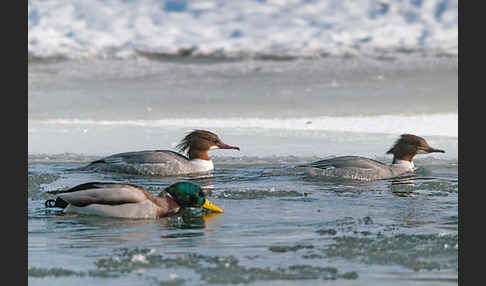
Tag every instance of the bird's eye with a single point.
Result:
(192, 199)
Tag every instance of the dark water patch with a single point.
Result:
(433, 279)
(326, 231)
(189, 55)
(256, 194)
(279, 248)
(313, 256)
(211, 269)
(450, 224)
(194, 55)
(182, 235)
(33, 59)
(452, 220)
(417, 252)
(54, 272)
(39, 272)
(127, 260)
(302, 200)
(364, 226)
(236, 274)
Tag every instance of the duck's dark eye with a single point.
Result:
(193, 199)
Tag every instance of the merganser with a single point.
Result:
(129, 201)
(164, 162)
(360, 168)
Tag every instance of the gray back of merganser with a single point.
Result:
(165, 162)
(353, 167)
(149, 162)
(361, 168)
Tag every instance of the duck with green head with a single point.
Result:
(129, 201)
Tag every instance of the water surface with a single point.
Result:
(278, 227)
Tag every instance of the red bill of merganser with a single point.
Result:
(165, 162)
(360, 168)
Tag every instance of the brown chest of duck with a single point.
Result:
(129, 201)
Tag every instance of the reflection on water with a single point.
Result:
(186, 220)
(96, 229)
(405, 224)
(403, 186)
(191, 219)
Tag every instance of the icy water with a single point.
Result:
(288, 82)
(279, 227)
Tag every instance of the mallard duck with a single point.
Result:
(129, 201)
(361, 168)
(165, 162)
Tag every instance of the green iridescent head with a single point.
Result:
(190, 195)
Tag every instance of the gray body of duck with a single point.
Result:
(361, 168)
(129, 201)
(165, 162)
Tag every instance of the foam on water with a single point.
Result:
(78, 29)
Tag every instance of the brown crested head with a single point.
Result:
(198, 142)
(408, 145)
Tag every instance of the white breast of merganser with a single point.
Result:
(408, 165)
(200, 165)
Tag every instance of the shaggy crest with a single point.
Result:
(408, 140)
(194, 136)
(409, 145)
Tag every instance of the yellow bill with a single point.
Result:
(206, 217)
(209, 206)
